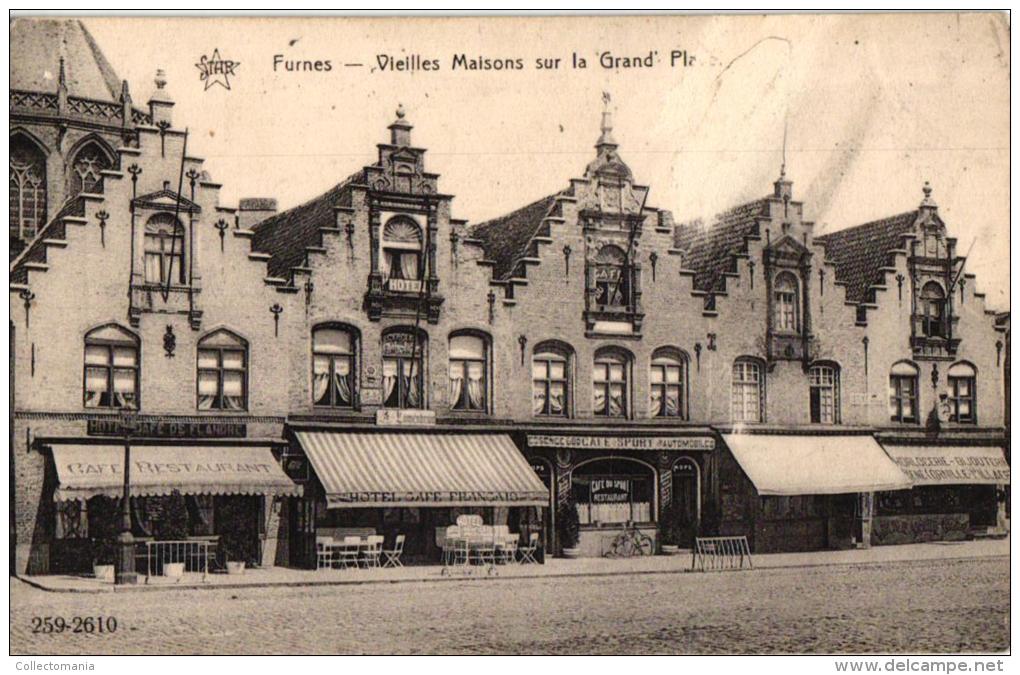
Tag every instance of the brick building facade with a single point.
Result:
(738, 377)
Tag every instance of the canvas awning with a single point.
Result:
(815, 465)
(951, 465)
(394, 469)
(85, 471)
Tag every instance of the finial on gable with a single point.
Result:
(400, 130)
(606, 139)
(928, 202)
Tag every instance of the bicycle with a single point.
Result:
(630, 543)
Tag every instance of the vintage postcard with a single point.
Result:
(510, 335)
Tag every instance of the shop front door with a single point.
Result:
(687, 496)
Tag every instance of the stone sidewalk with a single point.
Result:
(556, 567)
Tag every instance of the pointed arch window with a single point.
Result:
(933, 310)
(222, 372)
(164, 250)
(27, 188)
(903, 392)
(668, 383)
(786, 303)
(86, 169)
(111, 368)
(334, 366)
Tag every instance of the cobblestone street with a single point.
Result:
(936, 606)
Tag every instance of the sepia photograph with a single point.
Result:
(647, 334)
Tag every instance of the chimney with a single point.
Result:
(160, 103)
(400, 130)
(253, 210)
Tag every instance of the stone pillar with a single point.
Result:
(270, 514)
(867, 509)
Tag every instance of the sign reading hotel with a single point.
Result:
(943, 470)
(622, 442)
(155, 428)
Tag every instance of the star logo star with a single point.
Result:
(216, 70)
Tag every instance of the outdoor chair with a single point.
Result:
(483, 549)
(347, 552)
(506, 550)
(527, 553)
(372, 551)
(323, 552)
(460, 551)
(393, 556)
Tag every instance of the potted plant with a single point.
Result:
(104, 538)
(173, 526)
(237, 540)
(568, 527)
(672, 530)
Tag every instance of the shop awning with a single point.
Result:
(85, 471)
(392, 469)
(815, 465)
(950, 465)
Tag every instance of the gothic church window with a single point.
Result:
(87, 167)
(27, 188)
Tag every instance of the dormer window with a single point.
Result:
(164, 250)
(402, 255)
(612, 287)
(933, 309)
(785, 296)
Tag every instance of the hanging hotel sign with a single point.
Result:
(622, 442)
(157, 428)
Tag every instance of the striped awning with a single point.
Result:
(85, 471)
(414, 469)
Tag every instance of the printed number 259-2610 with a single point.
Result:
(76, 624)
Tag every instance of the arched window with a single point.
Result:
(786, 306)
(668, 383)
(403, 364)
(610, 275)
(748, 391)
(469, 368)
(111, 368)
(824, 384)
(164, 250)
(903, 392)
(963, 393)
(611, 382)
(614, 490)
(334, 366)
(87, 167)
(27, 188)
(402, 254)
(222, 372)
(933, 310)
(551, 379)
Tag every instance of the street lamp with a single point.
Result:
(126, 558)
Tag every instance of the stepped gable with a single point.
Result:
(36, 251)
(710, 251)
(508, 238)
(41, 44)
(286, 235)
(859, 253)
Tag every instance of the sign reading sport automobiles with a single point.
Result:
(622, 442)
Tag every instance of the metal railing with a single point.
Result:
(193, 554)
(720, 553)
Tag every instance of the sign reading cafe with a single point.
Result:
(622, 442)
(161, 428)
